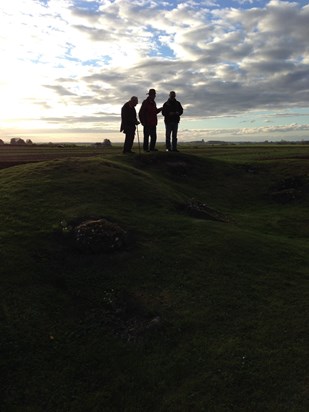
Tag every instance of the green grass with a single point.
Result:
(232, 298)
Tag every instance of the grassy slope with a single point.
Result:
(232, 297)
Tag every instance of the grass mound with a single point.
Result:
(194, 314)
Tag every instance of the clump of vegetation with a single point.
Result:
(289, 189)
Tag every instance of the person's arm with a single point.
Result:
(164, 110)
(126, 116)
(135, 119)
(141, 113)
(122, 119)
(180, 109)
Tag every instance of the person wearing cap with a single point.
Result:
(172, 110)
(128, 123)
(149, 119)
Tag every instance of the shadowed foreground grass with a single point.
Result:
(193, 315)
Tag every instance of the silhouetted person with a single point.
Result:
(172, 110)
(149, 119)
(128, 123)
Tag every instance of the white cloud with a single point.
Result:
(68, 63)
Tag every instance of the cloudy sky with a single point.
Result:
(240, 68)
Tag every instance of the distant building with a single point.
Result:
(107, 143)
(216, 142)
(197, 141)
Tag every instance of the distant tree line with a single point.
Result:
(17, 141)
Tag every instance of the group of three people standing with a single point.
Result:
(171, 110)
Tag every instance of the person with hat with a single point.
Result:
(128, 123)
(149, 119)
(172, 110)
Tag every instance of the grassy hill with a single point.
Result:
(194, 314)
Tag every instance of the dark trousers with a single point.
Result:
(128, 141)
(171, 129)
(152, 132)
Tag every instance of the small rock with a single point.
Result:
(98, 236)
(154, 323)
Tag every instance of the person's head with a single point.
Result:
(172, 95)
(152, 93)
(133, 101)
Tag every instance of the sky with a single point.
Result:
(240, 68)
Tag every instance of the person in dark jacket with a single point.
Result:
(149, 119)
(128, 123)
(172, 110)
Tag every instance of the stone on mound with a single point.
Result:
(201, 210)
(98, 236)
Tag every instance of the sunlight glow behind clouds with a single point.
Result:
(69, 66)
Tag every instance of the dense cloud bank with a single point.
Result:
(84, 59)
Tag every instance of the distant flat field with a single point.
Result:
(11, 155)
